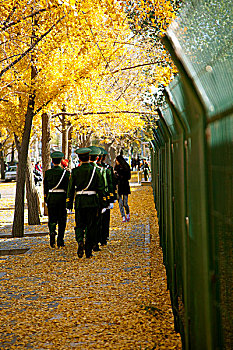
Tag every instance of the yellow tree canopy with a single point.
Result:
(84, 56)
(76, 45)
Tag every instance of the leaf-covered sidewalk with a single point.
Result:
(51, 299)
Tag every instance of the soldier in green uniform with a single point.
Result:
(87, 185)
(112, 192)
(55, 187)
(94, 154)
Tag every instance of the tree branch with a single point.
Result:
(6, 26)
(30, 48)
(93, 113)
(11, 13)
(133, 67)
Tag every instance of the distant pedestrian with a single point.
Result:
(146, 169)
(64, 163)
(123, 175)
(55, 188)
(38, 176)
(133, 164)
(138, 163)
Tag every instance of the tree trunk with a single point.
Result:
(64, 137)
(112, 155)
(18, 224)
(33, 199)
(12, 152)
(45, 148)
(84, 140)
(107, 147)
(70, 145)
(2, 163)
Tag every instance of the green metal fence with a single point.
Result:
(192, 175)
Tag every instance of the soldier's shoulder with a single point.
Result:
(49, 171)
(76, 170)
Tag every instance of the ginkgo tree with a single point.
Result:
(46, 46)
(80, 55)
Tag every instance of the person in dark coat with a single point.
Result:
(146, 169)
(55, 187)
(123, 175)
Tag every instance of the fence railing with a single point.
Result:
(192, 175)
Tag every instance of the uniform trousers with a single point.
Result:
(105, 226)
(85, 220)
(98, 227)
(57, 215)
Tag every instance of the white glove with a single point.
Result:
(110, 206)
(103, 210)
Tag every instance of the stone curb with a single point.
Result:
(29, 234)
(14, 251)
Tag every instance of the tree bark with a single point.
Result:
(70, 145)
(2, 163)
(107, 147)
(12, 152)
(84, 140)
(32, 194)
(18, 224)
(112, 155)
(46, 138)
(64, 137)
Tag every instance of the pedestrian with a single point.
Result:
(123, 175)
(146, 169)
(138, 163)
(38, 166)
(133, 163)
(55, 187)
(38, 175)
(87, 185)
(64, 163)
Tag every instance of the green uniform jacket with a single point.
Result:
(111, 182)
(52, 177)
(107, 181)
(79, 180)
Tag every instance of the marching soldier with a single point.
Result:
(55, 187)
(87, 185)
(112, 191)
(94, 154)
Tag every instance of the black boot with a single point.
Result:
(52, 239)
(60, 242)
(96, 248)
(88, 249)
(80, 249)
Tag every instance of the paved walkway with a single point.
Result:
(51, 299)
